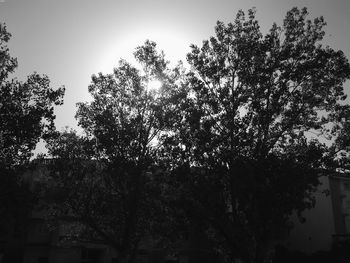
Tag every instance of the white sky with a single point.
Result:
(69, 40)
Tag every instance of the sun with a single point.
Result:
(154, 85)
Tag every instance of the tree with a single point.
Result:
(26, 109)
(110, 176)
(26, 115)
(338, 155)
(245, 161)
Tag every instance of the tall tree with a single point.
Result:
(26, 109)
(26, 116)
(109, 175)
(241, 144)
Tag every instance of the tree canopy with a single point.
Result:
(243, 133)
(228, 141)
(26, 116)
(26, 109)
(110, 175)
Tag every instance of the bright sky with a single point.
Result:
(69, 40)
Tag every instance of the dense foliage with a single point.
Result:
(26, 116)
(242, 142)
(224, 147)
(26, 109)
(109, 178)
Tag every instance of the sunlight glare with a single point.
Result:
(154, 85)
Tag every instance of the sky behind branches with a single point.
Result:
(69, 40)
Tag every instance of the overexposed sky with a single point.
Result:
(69, 40)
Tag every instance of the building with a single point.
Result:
(328, 222)
(340, 189)
(45, 243)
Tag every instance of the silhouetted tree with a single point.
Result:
(245, 161)
(27, 109)
(339, 155)
(26, 116)
(108, 180)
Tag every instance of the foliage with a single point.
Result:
(241, 138)
(225, 146)
(26, 109)
(338, 155)
(109, 178)
(26, 115)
